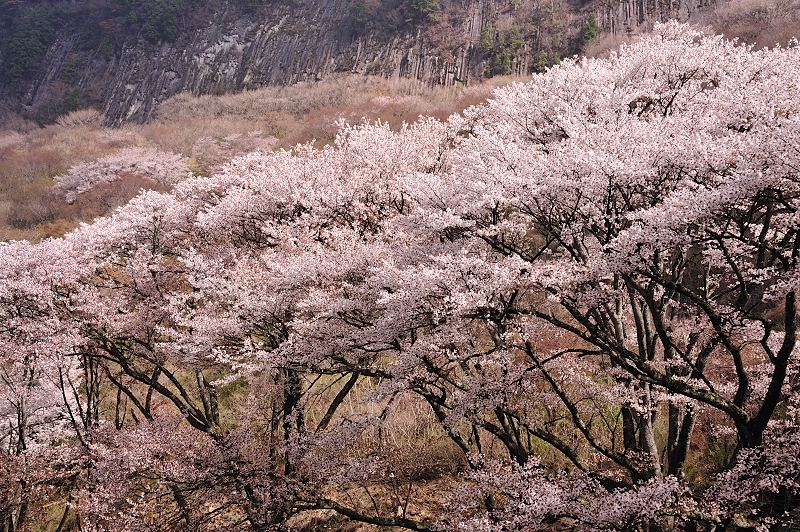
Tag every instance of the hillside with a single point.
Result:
(124, 56)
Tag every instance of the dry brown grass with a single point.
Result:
(308, 111)
(607, 43)
(28, 163)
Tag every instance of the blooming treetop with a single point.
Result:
(588, 283)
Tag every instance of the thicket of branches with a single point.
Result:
(586, 288)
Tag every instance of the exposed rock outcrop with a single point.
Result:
(303, 40)
(627, 16)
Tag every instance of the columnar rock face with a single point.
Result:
(289, 42)
(625, 16)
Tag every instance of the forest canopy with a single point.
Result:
(582, 294)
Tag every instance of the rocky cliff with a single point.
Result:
(627, 16)
(219, 47)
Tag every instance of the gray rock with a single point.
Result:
(290, 43)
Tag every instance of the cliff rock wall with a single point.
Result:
(628, 16)
(308, 40)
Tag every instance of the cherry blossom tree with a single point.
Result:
(582, 282)
(163, 168)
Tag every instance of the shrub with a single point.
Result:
(360, 16)
(162, 167)
(84, 117)
(591, 30)
(502, 48)
(157, 19)
(422, 11)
